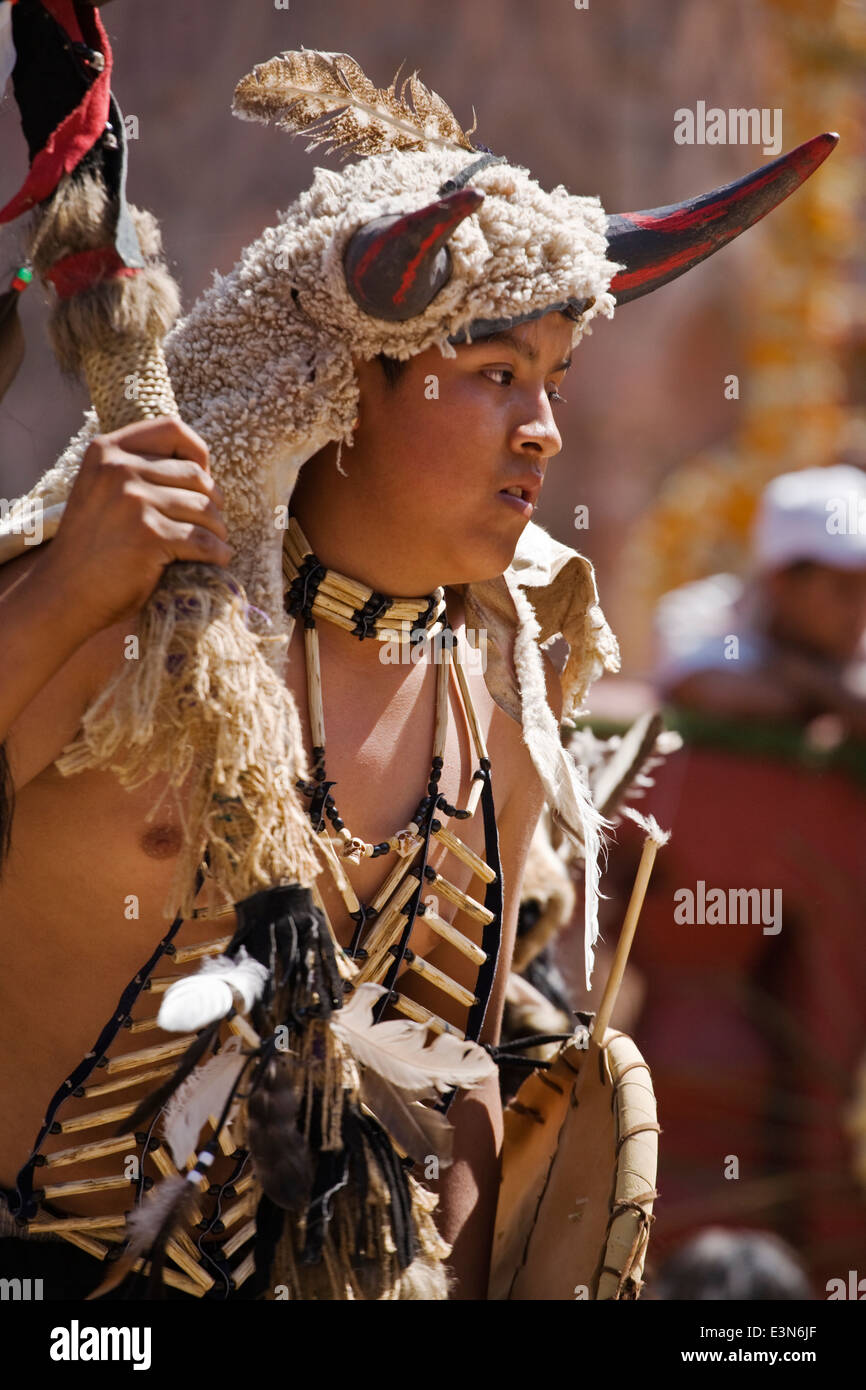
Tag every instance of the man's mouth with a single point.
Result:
(520, 499)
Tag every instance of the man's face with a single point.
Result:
(437, 450)
(820, 608)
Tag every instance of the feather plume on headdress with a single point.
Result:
(330, 98)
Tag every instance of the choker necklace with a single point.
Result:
(335, 598)
(383, 927)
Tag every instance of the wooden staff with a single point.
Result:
(655, 838)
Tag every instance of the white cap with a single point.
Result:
(815, 514)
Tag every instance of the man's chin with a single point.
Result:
(475, 557)
(475, 571)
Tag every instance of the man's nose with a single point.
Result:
(539, 434)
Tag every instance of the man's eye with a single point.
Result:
(500, 371)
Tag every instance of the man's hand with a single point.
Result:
(143, 497)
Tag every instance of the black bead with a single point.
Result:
(462, 815)
(337, 823)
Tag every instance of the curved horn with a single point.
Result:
(396, 265)
(658, 245)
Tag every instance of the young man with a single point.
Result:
(131, 512)
(458, 264)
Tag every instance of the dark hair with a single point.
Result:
(393, 368)
(800, 568)
(7, 804)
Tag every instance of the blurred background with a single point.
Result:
(669, 466)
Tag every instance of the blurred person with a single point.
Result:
(788, 641)
(738, 1266)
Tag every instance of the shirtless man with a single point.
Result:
(420, 505)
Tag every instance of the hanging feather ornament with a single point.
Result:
(7, 43)
(194, 1002)
(202, 1094)
(328, 97)
(332, 1111)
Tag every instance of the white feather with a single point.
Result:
(7, 46)
(197, 1000)
(203, 1093)
(396, 1050)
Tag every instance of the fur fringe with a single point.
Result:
(139, 307)
(565, 791)
(341, 1277)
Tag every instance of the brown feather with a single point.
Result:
(329, 97)
(415, 1128)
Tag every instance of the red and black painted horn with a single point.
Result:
(395, 265)
(662, 243)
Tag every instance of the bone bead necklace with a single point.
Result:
(383, 927)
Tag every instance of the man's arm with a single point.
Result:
(131, 511)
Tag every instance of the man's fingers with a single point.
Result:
(178, 473)
(195, 544)
(165, 436)
(176, 504)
